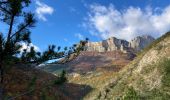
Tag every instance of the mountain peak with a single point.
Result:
(113, 43)
(140, 42)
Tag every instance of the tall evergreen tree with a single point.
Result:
(11, 10)
(18, 33)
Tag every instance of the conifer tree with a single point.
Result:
(19, 32)
(10, 45)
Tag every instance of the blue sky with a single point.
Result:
(65, 22)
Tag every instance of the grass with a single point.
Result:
(55, 69)
(31, 84)
(158, 93)
(142, 88)
(131, 94)
(97, 80)
(166, 77)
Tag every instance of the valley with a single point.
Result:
(97, 69)
(84, 50)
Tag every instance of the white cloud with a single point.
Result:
(80, 36)
(127, 23)
(27, 47)
(42, 10)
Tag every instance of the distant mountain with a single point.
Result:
(141, 42)
(111, 53)
(112, 44)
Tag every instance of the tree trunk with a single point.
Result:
(10, 28)
(2, 73)
(1, 82)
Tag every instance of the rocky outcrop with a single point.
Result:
(112, 44)
(141, 42)
(95, 46)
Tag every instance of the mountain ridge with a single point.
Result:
(113, 43)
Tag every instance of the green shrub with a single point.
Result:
(32, 83)
(166, 77)
(131, 94)
(62, 78)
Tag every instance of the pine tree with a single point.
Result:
(18, 33)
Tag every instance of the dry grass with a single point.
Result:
(40, 86)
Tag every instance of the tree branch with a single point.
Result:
(4, 2)
(19, 30)
(3, 9)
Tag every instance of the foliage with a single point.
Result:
(11, 10)
(131, 94)
(32, 84)
(19, 33)
(62, 78)
(166, 77)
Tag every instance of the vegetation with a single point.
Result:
(31, 85)
(153, 44)
(62, 78)
(166, 77)
(18, 33)
(145, 78)
(131, 94)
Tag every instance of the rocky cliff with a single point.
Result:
(112, 44)
(141, 42)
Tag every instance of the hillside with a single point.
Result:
(26, 83)
(90, 61)
(110, 54)
(145, 78)
(95, 69)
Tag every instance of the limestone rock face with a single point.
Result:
(141, 42)
(95, 46)
(112, 44)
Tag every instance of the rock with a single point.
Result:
(75, 75)
(95, 46)
(112, 44)
(141, 42)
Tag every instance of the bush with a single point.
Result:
(131, 94)
(62, 78)
(166, 77)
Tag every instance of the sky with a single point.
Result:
(65, 22)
